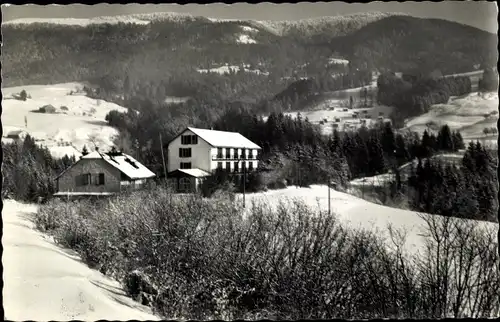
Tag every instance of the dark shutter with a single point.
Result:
(180, 152)
(101, 178)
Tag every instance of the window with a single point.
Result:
(243, 153)
(98, 179)
(123, 177)
(228, 166)
(219, 153)
(184, 184)
(236, 153)
(250, 166)
(185, 153)
(82, 180)
(101, 179)
(185, 165)
(219, 165)
(189, 139)
(228, 153)
(236, 167)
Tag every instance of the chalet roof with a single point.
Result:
(197, 173)
(16, 132)
(123, 162)
(223, 139)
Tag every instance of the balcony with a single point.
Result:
(219, 157)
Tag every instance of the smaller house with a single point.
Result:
(103, 174)
(17, 135)
(47, 109)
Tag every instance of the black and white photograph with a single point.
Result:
(243, 161)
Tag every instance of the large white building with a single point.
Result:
(196, 153)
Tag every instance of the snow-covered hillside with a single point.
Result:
(43, 282)
(245, 39)
(355, 212)
(226, 69)
(139, 19)
(469, 114)
(338, 25)
(78, 120)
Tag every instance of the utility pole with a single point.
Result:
(329, 200)
(163, 159)
(244, 181)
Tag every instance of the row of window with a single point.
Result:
(237, 153)
(187, 165)
(235, 166)
(189, 139)
(88, 179)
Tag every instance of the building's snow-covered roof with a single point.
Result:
(197, 173)
(16, 132)
(125, 163)
(224, 139)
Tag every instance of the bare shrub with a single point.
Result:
(201, 258)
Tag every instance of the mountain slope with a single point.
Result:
(160, 55)
(403, 43)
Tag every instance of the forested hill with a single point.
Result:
(404, 43)
(163, 57)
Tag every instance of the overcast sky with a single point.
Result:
(480, 14)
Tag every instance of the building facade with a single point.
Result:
(197, 153)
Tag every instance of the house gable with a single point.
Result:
(67, 181)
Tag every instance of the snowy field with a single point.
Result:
(469, 114)
(382, 179)
(333, 112)
(77, 120)
(226, 69)
(43, 282)
(355, 212)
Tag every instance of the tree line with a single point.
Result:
(467, 190)
(29, 170)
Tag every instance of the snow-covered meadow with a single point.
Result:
(470, 114)
(78, 120)
(356, 212)
(227, 69)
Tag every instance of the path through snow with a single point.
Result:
(44, 282)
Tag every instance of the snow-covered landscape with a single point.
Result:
(355, 212)
(469, 114)
(226, 69)
(44, 282)
(204, 198)
(77, 120)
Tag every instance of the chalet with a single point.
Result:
(17, 135)
(195, 154)
(102, 174)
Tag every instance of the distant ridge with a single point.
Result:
(306, 27)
